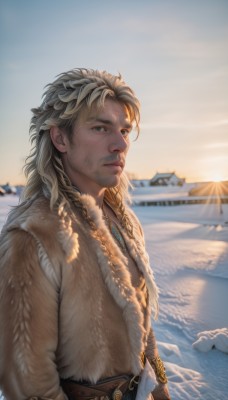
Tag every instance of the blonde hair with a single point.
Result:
(64, 100)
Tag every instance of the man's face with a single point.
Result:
(94, 158)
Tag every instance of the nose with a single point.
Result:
(119, 143)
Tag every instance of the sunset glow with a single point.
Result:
(218, 178)
(179, 76)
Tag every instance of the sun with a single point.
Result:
(216, 177)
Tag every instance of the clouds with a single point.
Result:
(186, 125)
(173, 54)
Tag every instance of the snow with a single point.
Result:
(160, 192)
(208, 340)
(188, 248)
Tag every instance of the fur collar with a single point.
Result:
(117, 278)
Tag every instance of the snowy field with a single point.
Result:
(188, 248)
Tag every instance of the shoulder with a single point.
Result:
(32, 216)
(30, 241)
(31, 222)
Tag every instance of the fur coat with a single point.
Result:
(68, 305)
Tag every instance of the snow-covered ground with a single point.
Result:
(188, 248)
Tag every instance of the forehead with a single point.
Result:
(112, 111)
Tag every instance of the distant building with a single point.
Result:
(2, 191)
(9, 189)
(166, 179)
(140, 182)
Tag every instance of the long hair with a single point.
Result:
(64, 100)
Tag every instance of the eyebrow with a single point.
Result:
(107, 122)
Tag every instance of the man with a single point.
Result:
(76, 287)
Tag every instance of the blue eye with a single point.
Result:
(100, 129)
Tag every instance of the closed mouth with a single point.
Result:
(116, 164)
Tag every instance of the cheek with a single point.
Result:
(88, 162)
(128, 146)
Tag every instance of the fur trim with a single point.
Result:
(118, 280)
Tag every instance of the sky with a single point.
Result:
(173, 53)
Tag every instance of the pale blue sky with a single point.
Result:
(174, 53)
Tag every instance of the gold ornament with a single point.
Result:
(159, 369)
(117, 394)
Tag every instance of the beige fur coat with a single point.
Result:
(70, 305)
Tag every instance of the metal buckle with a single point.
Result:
(133, 382)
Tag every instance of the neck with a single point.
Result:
(98, 195)
(99, 198)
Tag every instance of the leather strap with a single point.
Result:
(106, 387)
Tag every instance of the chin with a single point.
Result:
(113, 182)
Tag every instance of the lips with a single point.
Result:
(116, 164)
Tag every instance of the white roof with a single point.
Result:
(163, 175)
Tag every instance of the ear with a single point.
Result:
(58, 139)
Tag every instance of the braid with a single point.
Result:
(68, 195)
(114, 198)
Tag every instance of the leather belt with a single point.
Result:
(113, 388)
